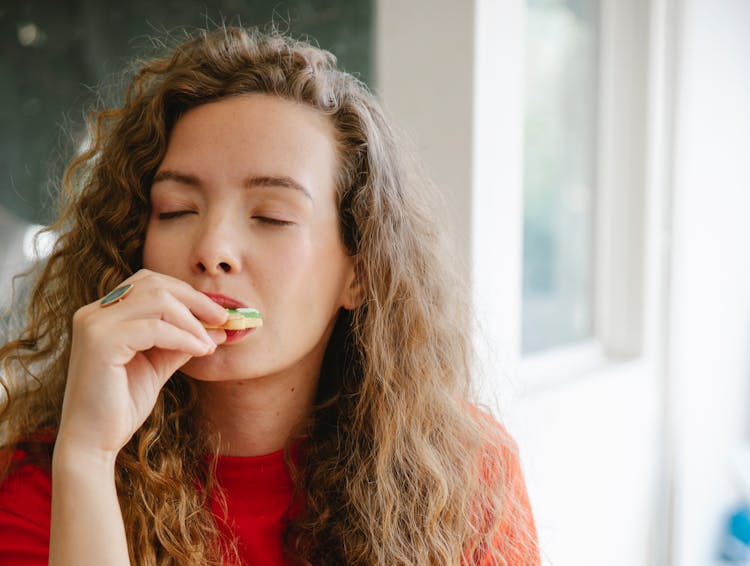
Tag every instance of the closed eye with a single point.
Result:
(175, 214)
(272, 221)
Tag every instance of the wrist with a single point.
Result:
(70, 455)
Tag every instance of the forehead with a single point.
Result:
(254, 135)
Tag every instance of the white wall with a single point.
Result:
(710, 305)
(424, 58)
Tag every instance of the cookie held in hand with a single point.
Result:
(240, 319)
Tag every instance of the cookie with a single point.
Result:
(240, 319)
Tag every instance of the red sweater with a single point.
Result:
(258, 491)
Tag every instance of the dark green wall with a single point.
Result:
(55, 56)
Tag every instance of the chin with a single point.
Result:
(211, 369)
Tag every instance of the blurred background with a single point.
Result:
(593, 158)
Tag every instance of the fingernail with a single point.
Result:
(217, 336)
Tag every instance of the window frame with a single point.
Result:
(619, 270)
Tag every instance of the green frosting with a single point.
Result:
(246, 312)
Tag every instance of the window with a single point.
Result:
(559, 172)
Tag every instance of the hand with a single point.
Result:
(122, 355)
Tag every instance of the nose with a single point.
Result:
(215, 251)
(208, 267)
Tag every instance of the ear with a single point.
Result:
(353, 293)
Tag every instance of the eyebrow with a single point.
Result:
(249, 182)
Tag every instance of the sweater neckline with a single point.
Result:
(266, 468)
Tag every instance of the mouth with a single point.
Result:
(235, 335)
(224, 301)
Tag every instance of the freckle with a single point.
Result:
(277, 413)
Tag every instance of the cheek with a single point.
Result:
(309, 269)
(286, 265)
(148, 246)
(155, 249)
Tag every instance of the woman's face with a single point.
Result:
(244, 205)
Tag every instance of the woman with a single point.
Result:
(245, 170)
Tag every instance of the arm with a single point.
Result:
(121, 356)
(86, 522)
(517, 538)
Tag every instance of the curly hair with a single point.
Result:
(400, 467)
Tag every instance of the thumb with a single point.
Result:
(217, 335)
(166, 362)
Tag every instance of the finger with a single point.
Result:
(161, 303)
(218, 336)
(166, 362)
(155, 291)
(178, 314)
(94, 306)
(143, 334)
(198, 303)
(156, 303)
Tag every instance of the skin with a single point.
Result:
(268, 246)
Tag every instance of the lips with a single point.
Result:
(224, 301)
(235, 335)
